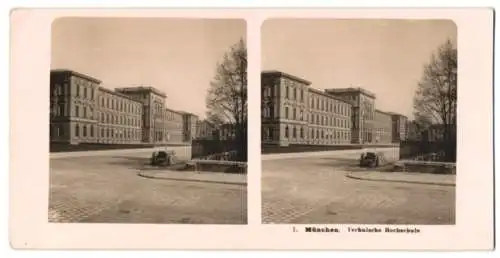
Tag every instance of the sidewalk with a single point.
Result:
(208, 177)
(403, 177)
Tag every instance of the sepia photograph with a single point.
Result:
(148, 121)
(363, 128)
(359, 121)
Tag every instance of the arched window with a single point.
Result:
(302, 132)
(294, 132)
(77, 130)
(84, 130)
(286, 132)
(92, 131)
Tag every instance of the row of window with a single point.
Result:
(329, 121)
(329, 105)
(319, 134)
(317, 119)
(316, 102)
(88, 92)
(124, 134)
(170, 116)
(313, 134)
(86, 112)
(119, 119)
(57, 109)
(121, 105)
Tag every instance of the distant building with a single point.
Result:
(226, 132)
(364, 123)
(436, 132)
(295, 113)
(82, 111)
(414, 132)
(399, 127)
(205, 130)
(383, 127)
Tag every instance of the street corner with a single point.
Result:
(404, 177)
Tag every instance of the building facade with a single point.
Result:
(295, 113)
(383, 127)
(413, 132)
(205, 130)
(399, 128)
(82, 111)
(363, 113)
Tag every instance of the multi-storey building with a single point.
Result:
(205, 130)
(189, 122)
(399, 127)
(295, 113)
(82, 111)
(174, 124)
(383, 127)
(363, 113)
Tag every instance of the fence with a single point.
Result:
(428, 150)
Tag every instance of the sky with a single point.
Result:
(176, 56)
(386, 57)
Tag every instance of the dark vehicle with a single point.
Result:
(163, 158)
(369, 159)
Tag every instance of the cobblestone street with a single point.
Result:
(108, 190)
(316, 190)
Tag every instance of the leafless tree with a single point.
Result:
(227, 96)
(435, 101)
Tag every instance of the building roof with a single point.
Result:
(114, 92)
(174, 111)
(71, 72)
(142, 89)
(351, 89)
(383, 112)
(286, 75)
(189, 113)
(329, 95)
(397, 114)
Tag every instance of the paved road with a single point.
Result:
(108, 190)
(315, 191)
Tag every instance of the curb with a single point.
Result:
(141, 174)
(398, 181)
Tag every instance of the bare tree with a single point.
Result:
(435, 101)
(227, 96)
